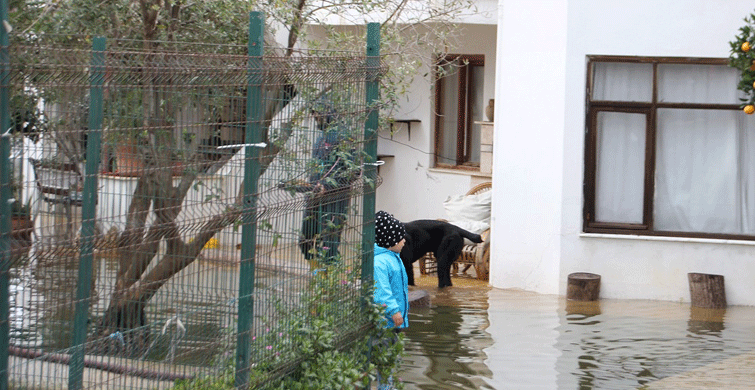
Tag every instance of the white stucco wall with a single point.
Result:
(528, 146)
(537, 212)
(411, 188)
(482, 12)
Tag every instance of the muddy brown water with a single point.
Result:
(476, 337)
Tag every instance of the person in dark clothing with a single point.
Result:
(327, 203)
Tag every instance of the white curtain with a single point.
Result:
(622, 82)
(620, 175)
(449, 120)
(477, 79)
(704, 172)
(686, 83)
(704, 164)
(451, 113)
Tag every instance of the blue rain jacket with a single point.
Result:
(391, 285)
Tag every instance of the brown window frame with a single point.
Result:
(593, 107)
(465, 122)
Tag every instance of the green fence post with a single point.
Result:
(89, 201)
(5, 232)
(372, 94)
(5, 198)
(370, 149)
(251, 177)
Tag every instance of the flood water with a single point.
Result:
(483, 338)
(476, 337)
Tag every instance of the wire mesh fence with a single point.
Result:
(181, 209)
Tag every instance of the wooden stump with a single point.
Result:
(707, 290)
(583, 286)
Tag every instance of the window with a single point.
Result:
(458, 103)
(668, 150)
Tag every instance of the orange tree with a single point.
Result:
(742, 57)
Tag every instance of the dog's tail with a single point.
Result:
(476, 238)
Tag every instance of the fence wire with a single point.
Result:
(170, 208)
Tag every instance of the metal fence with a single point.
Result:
(180, 209)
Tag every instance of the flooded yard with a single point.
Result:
(476, 337)
(470, 337)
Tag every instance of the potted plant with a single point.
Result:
(21, 218)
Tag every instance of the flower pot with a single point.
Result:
(127, 161)
(489, 109)
(21, 227)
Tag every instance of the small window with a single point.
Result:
(458, 104)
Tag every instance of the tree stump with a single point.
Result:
(583, 286)
(707, 290)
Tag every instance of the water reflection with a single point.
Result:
(469, 338)
(42, 293)
(634, 343)
(532, 341)
(703, 321)
(445, 342)
(523, 328)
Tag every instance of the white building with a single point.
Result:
(695, 212)
(417, 178)
(667, 185)
(619, 148)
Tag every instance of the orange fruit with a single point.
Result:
(746, 46)
(749, 109)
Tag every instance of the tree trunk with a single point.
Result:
(583, 286)
(122, 330)
(707, 290)
(139, 244)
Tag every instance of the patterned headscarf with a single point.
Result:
(388, 230)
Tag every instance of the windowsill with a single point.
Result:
(667, 239)
(133, 177)
(463, 172)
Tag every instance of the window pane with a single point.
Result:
(449, 118)
(622, 82)
(705, 176)
(476, 75)
(620, 175)
(685, 83)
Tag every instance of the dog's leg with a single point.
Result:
(447, 252)
(409, 271)
(408, 261)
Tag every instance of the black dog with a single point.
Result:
(442, 238)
